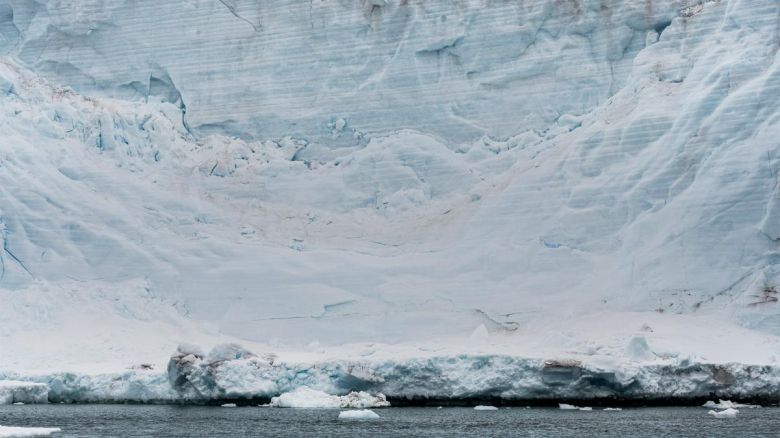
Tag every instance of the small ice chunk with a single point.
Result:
(613, 409)
(727, 404)
(568, 407)
(728, 413)
(485, 408)
(360, 414)
(229, 405)
(305, 397)
(9, 431)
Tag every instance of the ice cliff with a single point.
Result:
(542, 179)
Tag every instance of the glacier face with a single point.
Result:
(312, 174)
(275, 68)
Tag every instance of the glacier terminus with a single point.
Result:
(350, 204)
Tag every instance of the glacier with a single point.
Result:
(519, 200)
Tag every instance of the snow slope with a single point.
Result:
(586, 180)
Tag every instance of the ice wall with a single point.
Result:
(456, 69)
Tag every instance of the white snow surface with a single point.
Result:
(17, 432)
(360, 414)
(727, 413)
(409, 187)
(304, 397)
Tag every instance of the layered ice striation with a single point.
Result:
(331, 70)
(310, 174)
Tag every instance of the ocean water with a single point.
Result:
(201, 421)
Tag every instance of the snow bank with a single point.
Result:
(305, 397)
(362, 414)
(14, 391)
(727, 413)
(16, 432)
(485, 408)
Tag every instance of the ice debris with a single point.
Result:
(568, 407)
(727, 404)
(727, 413)
(305, 397)
(360, 414)
(10, 431)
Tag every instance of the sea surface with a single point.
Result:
(202, 421)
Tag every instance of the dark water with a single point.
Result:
(191, 421)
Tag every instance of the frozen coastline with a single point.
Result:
(231, 373)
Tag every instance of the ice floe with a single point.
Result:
(727, 404)
(726, 413)
(361, 414)
(18, 432)
(305, 397)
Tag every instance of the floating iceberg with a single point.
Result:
(17, 432)
(229, 405)
(305, 397)
(16, 392)
(568, 407)
(612, 409)
(727, 404)
(361, 414)
(485, 408)
(727, 413)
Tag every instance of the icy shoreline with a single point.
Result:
(231, 374)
